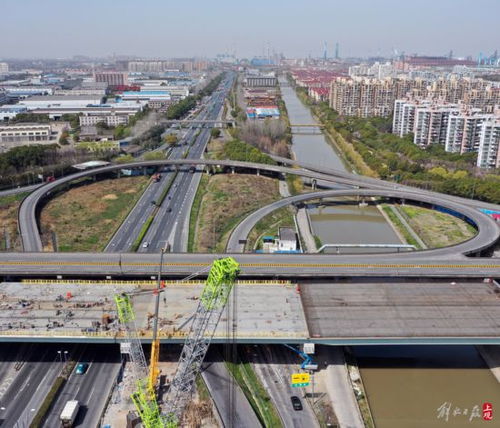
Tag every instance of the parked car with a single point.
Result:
(145, 245)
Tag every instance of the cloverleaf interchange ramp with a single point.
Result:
(488, 231)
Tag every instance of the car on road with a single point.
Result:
(169, 209)
(81, 368)
(145, 245)
(297, 405)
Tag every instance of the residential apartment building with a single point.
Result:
(361, 96)
(489, 144)
(4, 67)
(459, 128)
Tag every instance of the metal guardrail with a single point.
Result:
(148, 283)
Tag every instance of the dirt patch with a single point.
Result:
(111, 196)
(84, 218)
(229, 197)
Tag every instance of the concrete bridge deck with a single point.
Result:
(339, 312)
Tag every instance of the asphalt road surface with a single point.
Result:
(90, 389)
(25, 394)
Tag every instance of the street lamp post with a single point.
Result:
(60, 356)
(66, 356)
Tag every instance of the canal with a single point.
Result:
(343, 223)
(406, 386)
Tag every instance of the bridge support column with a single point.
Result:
(258, 172)
(144, 171)
(314, 183)
(119, 173)
(232, 170)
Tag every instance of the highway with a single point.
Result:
(144, 265)
(26, 392)
(233, 407)
(171, 223)
(275, 367)
(90, 389)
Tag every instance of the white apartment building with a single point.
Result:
(460, 128)
(4, 67)
(489, 144)
(464, 128)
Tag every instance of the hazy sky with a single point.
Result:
(165, 28)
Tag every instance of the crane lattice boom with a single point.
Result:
(212, 302)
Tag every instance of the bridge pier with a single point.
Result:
(314, 183)
(258, 172)
(232, 170)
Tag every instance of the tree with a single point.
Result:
(154, 156)
(124, 159)
(171, 139)
(63, 139)
(215, 132)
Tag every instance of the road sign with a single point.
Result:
(300, 378)
(299, 385)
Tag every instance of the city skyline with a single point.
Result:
(295, 28)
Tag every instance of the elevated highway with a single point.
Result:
(488, 231)
(27, 213)
(144, 265)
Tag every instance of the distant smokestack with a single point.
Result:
(337, 56)
(324, 52)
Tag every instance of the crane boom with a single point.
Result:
(213, 299)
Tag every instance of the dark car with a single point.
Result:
(297, 405)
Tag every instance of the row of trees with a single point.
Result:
(238, 150)
(269, 136)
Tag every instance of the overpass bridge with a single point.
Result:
(212, 123)
(306, 128)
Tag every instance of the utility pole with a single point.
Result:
(155, 344)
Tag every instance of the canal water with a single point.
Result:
(343, 223)
(427, 386)
(406, 386)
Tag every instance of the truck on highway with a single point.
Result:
(156, 177)
(69, 412)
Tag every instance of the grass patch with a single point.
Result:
(195, 211)
(142, 233)
(295, 184)
(401, 227)
(229, 198)
(86, 217)
(254, 391)
(435, 228)
(317, 242)
(9, 206)
(270, 225)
